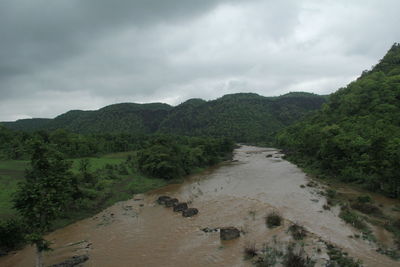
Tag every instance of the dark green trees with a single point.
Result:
(44, 195)
(172, 157)
(356, 135)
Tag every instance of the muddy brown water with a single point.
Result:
(139, 232)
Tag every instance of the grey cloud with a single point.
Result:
(61, 55)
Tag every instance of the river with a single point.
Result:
(240, 193)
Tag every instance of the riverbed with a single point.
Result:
(240, 193)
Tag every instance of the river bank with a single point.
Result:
(139, 232)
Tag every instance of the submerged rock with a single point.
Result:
(171, 202)
(190, 212)
(229, 233)
(162, 199)
(209, 230)
(74, 261)
(180, 207)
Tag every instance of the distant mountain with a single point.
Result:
(245, 117)
(124, 117)
(356, 135)
(28, 125)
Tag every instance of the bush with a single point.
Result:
(331, 193)
(298, 259)
(12, 233)
(352, 218)
(298, 232)
(366, 208)
(273, 219)
(364, 199)
(339, 258)
(250, 251)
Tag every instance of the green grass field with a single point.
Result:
(107, 190)
(11, 172)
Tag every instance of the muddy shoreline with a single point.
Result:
(139, 232)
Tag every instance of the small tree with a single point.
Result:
(43, 196)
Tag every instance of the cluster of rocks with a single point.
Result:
(74, 261)
(225, 233)
(177, 206)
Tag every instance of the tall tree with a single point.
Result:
(45, 193)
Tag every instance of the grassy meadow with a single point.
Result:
(111, 186)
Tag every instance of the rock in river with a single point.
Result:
(190, 212)
(229, 233)
(181, 207)
(162, 199)
(74, 261)
(171, 202)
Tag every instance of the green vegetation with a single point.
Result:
(90, 184)
(272, 256)
(355, 137)
(298, 232)
(273, 219)
(340, 258)
(47, 191)
(240, 117)
(352, 218)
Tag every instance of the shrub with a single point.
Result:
(298, 232)
(12, 233)
(366, 208)
(273, 219)
(298, 259)
(339, 258)
(331, 193)
(250, 251)
(364, 199)
(352, 218)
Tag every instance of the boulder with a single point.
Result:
(229, 233)
(74, 261)
(190, 212)
(180, 207)
(162, 199)
(171, 202)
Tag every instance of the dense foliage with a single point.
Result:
(18, 145)
(45, 194)
(119, 118)
(170, 158)
(356, 135)
(241, 117)
(90, 184)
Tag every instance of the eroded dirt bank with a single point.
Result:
(139, 232)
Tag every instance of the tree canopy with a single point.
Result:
(356, 135)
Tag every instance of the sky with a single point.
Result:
(58, 55)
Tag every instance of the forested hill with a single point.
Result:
(119, 118)
(356, 135)
(244, 117)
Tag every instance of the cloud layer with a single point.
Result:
(72, 54)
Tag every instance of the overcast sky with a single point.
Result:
(57, 55)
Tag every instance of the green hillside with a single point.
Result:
(244, 117)
(119, 118)
(356, 135)
(27, 124)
